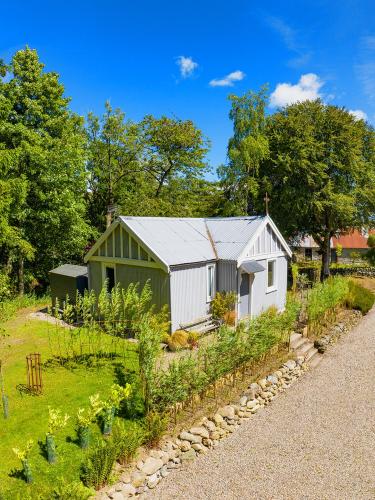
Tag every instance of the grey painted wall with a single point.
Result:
(227, 276)
(260, 299)
(189, 294)
(95, 276)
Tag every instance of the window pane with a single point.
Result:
(110, 275)
(210, 281)
(271, 266)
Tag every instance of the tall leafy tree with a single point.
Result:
(320, 172)
(41, 147)
(247, 150)
(113, 162)
(172, 149)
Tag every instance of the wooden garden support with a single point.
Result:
(34, 373)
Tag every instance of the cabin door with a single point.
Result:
(244, 306)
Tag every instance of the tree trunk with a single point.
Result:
(21, 281)
(108, 217)
(326, 257)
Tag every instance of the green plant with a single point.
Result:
(109, 407)
(97, 467)
(127, 440)
(71, 491)
(223, 303)
(371, 241)
(193, 338)
(23, 456)
(355, 256)
(178, 340)
(359, 298)
(324, 297)
(295, 273)
(155, 424)
(85, 417)
(338, 250)
(56, 422)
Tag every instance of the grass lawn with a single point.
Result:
(64, 388)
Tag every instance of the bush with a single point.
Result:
(222, 304)
(326, 296)
(193, 338)
(359, 298)
(155, 424)
(97, 468)
(127, 441)
(178, 340)
(9, 307)
(71, 491)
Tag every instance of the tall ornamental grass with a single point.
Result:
(325, 298)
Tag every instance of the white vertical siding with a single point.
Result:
(188, 294)
(226, 276)
(261, 300)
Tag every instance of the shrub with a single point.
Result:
(71, 491)
(127, 441)
(193, 338)
(359, 298)
(97, 468)
(155, 424)
(178, 340)
(326, 296)
(222, 304)
(371, 241)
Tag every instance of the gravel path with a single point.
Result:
(315, 441)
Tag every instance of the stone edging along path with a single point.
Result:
(207, 433)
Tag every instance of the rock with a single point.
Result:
(200, 431)
(243, 401)
(164, 457)
(262, 383)
(164, 471)
(273, 379)
(155, 453)
(185, 445)
(129, 490)
(207, 442)
(153, 480)
(226, 411)
(138, 478)
(125, 477)
(291, 364)
(209, 425)
(215, 435)
(193, 438)
(197, 447)
(152, 465)
(140, 464)
(252, 403)
(218, 419)
(118, 495)
(279, 373)
(188, 456)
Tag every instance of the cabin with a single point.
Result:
(187, 260)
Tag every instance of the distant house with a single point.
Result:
(353, 241)
(188, 259)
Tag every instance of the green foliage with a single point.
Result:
(326, 296)
(56, 421)
(359, 298)
(370, 256)
(9, 307)
(98, 465)
(223, 303)
(338, 250)
(355, 256)
(71, 491)
(23, 456)
(193, 373)
(371, 241)
(155, 425)
(295, 273)
(127, 440)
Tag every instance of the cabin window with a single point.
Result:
(271, 275)
(110, 277)
(308, 253)
(210, 282)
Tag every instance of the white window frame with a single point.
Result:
(211, 266)
(273, 287)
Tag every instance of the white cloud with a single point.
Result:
(228, 81)
(358, 114)
(307, 89)
(187, 66)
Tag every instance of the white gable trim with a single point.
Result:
(258, 232)
(104, 237)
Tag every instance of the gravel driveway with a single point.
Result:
(315, 441)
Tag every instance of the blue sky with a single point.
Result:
(184, 58)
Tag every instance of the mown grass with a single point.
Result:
(65, 388)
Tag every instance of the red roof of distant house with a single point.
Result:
(355, 239)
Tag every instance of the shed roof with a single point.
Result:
(70, 270)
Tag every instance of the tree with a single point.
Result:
(247, 150)
(320, 172)
(42, 154)
(370, 254)
(172, 149)
(113, 151)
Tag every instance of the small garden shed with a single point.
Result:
(187, 260)
(66, 280)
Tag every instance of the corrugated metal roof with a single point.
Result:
(353, 240)
(230, 235)
(184, 240)
(70, 270)
(174, 240)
